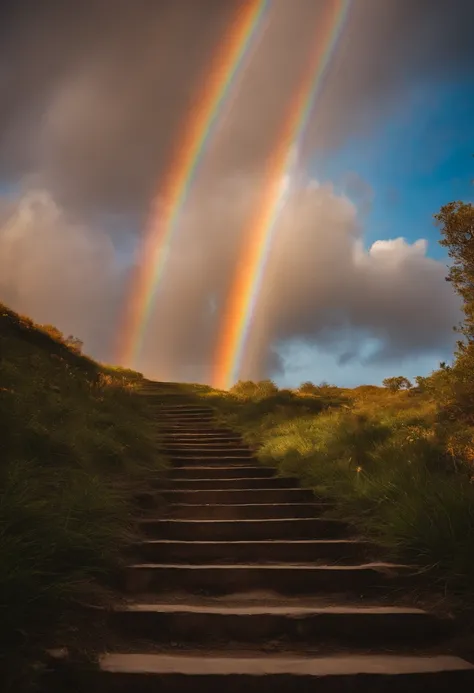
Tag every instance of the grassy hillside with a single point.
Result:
(392, 465)
(75, 444)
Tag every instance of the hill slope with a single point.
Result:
(75, 443)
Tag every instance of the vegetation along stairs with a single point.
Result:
(243, 581)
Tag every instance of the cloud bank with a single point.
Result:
(321, 285)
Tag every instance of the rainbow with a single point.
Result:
(230, 60)
(243, 294)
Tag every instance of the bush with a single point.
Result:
(308, 388)
(247, 389)
(397, 383)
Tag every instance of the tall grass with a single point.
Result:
(75, 443)
(381, 457)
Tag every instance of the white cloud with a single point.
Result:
(58, 271)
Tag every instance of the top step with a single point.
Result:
(184, 410)
(186, 415)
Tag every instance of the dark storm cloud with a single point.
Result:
(94, 93)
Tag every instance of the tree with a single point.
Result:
(456, 220)
(397, 383)
(308, 388)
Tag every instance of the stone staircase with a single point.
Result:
(243, 582)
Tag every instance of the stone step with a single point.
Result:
(276, 551)
(355, 626)
(241, 483)
(206, 415)
(201, 422)
(201, 438)
(205, 442)
(202, 445)
(187, 419)
(217, 496)
(246, 511)
(182, 411)
(228, 461)
(234, 472)
(143, 673)
(251, 495)
(180, 405)
(365, 578)
(185, 409)
(237, 530)
(192, 452)
(191, 428)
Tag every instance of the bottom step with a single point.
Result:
(234, 674)
(357, 626)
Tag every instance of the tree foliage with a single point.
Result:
(456, 221)
(396, 383)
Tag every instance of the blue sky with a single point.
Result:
(415, 160)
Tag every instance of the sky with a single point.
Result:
(95, 104)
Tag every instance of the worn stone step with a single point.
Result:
(263, 495)
(246, 511)
(276, 551)
(180, 405)
(175, 406)
(241, 483)
(355, 626)
(202, 445)
(281, 578)
(201, 438)
(250, 530)
(234, 472)
(191, 428)
(219, 496)
(193, 452)
(184, 419)
(341, 673)
(186, 415)
(151, 500)
(228, 461)
(210, 449)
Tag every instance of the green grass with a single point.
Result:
(76, 443)
(380, 456)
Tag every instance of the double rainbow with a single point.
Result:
(243, 295)
(229, 61)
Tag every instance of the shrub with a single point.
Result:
(247, 389)
(397, 383)
(308, 388)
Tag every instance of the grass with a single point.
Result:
(403, 480)
(76, 444)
